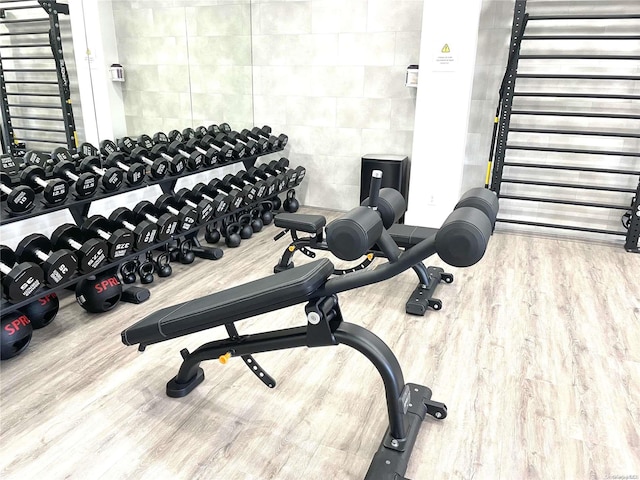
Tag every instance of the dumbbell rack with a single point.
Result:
(80, 209)
(36, 38)
(517, 181)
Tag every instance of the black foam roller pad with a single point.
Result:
(391, 206)
(482, 199)
(352, 235)
(463, 237)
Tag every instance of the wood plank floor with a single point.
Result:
(536, 354)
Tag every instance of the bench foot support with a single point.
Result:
(422, 297)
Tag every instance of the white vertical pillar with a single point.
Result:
(95, 47)
(447, 61)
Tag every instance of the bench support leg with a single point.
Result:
(422, 297)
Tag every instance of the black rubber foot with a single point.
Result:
(421, 298)
(178, 390)
(279, 268)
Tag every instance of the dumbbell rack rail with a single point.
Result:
(79, 209)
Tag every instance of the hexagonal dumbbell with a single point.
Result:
(167, 223)
(220, 202)
(210, 156)
(273, 141)
(119, 240)
(205, 209)
(85, 185)
(54, 191)
(263, 145)
(133, 173)
(238, 149)
(237, 198)
(20, 199)
(20, 281)
(158, 167)
(187, 216)
(273, 183)
(144, 233)
(91, 253)
(224, 152)
(193, 160)
(242, 178)
(249, 190)
(250, 145)
(282, 138)
(176, 163)
(58, 266)
(110, 178)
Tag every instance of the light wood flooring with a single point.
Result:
(536, 354)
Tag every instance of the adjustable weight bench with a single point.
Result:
(461, 241)
(392, 206)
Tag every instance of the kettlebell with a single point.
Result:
(43, 311)
(211, 234)
(145, 272)
(267, 215)
(128, 271)
(232, 235)
(163, 265)
(277, 203)
(291, 204)
(246, 231)
(15, 334)
(99, 293)
(256, 220)
(185, 254)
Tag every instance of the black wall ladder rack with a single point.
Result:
(31, 46)
(520, 182)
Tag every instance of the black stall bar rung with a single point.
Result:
(30, 70)
(563, 227)
(36, 32)
(26, 45)
(564, 202)
(571, 150)
(570, 168)
(32, 82)
(19, 94)
(576, 77)
(24, 20)
(21, 7)
(620, 116)
(577, 95)
(581, 37)
(18, 105)
(549, 131)
(630, 16)
(46, 119)
(32, 57)
(540, 183)
(578, 57)
(15, 127)
(40, 140)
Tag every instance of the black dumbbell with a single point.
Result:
(238, 196)
(158, 137)
(187, 216)
(119, 240)
(210, 156)
(224, 153)
(263, 145)
(144, 232)
(167, 223)
(85, 185)
(20, 281)
(293, 176)
(250, 191)
(273, 141)
(20, 199)
(242, 178)
(200, 131)
(91, 253)
(193, 160)
(201, 192)
(225, 128)
(159, 151)
(238, 149)
(204, 209)
(187, 134)
(12, 166)
(54, 191)
(174, 135)
(158, 168)
(133, 172)
(58, 266)
(250, 145)
(282, 138)
(110, 178)
(272, 182)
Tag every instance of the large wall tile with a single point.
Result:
(396, 142)
(227, 79)
(403, 113)
(269, 109)
(402, 16)
(282, 17)
(407, 48)
(233, 19)
(325, 140)
(311, 111)
(231, 50)
(316, 49)
(328, 16)
(386, 82)
(367, 48)
(364, 113)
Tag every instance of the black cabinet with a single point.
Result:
(395, 174)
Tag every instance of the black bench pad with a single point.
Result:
(300, 222)
(254, 298)
(407, 236)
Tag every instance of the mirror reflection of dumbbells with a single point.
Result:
(167, 223)
(91, 253)
(134, 172)
(20, 199)
(85, 185)
(187, 216)
(158, 167)
(119, 241)
(19, 280)
(220, 202)
(144, 233)
(58, 266)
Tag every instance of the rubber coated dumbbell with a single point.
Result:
(294, 176)
(250, 145)
(263, 145)
(225, 128)
(205, 209)
(174, 136)
(144, 232)
(193, 160)
(238, 149)
(110, 178)
(241, 179)
(274, 142)
(119, 240)
(20, 199)
(224, 153)
(282, 138)
(238, 197)
(91, 253)
(85, 185)
(249, 190)
(286, 175)
(158, 168)
(12, 166)
(218, 204)
(158, 137)
(273, 182)
(210, 155)
(159, 151)
(54, 191)
(167, 223)
(200, 131)
(20, 281)
(187, 216)
(133, 173)
(58, 266)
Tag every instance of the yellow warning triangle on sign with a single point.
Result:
(446, 48)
